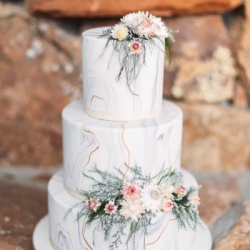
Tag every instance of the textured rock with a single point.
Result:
(239, 237)
(203, 69)
(247, 9)
(243, 56)
(21, 208)
(217, 194)
(206, 81)
(215, 138)
(118, 8)
(39, 75)
(240, 97)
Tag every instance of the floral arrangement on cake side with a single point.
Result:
(132, 200)
(135, 35)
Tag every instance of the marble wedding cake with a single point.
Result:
(122, 186)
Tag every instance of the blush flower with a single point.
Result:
(93, 204)
(145, 28)
(167, 205)
(135, 47)
(131, 191)
(110, 208)
(119, 32)
(181, 190)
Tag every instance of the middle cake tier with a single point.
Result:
(150, 144)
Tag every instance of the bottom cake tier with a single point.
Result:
(68, 233)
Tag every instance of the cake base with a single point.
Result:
(41, 235)
(41, 240)
(201, 241)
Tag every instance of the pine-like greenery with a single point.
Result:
(107, 187)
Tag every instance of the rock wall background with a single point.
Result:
(209, 78)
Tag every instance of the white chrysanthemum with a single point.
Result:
(167, 190)
(132, 209)
(160, 29)
(134, 19)
(119, 32)
(151, 198)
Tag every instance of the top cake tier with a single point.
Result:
(135, 93)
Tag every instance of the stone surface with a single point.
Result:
(203, 68)
(21, 208)
(217, 194)
(243, 56)
(119, 8)
(247, 9)
(240, 97)
(239, 237)
(39, 75)
(215, 138)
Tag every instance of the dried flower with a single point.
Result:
(93, 204)
(120, 32)
(167, 205)
(110, 208)
(181, 190)
(131, 191)
(151, 198)
(167, 191)
(132, 209)
(135, 47)
(194, 200)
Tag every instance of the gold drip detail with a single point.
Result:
(83, 230)
(97, 77)
(88, 131)
(125, 145)
(95, 96)
(168, 138)
(192, 243)
(151, 243)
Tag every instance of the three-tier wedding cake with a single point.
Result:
(122, 186)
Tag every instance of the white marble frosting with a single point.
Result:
(164, 233)
(150, 144)
(109, 99)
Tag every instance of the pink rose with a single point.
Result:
(131, 191)
(92, 204)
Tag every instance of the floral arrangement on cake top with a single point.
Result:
(116, 201)
(137, 34)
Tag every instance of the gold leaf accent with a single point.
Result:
(95, 96)
(89, 157)
(125, 145)
(83, 230)
(151, 243)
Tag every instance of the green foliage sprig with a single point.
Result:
(106, 204)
